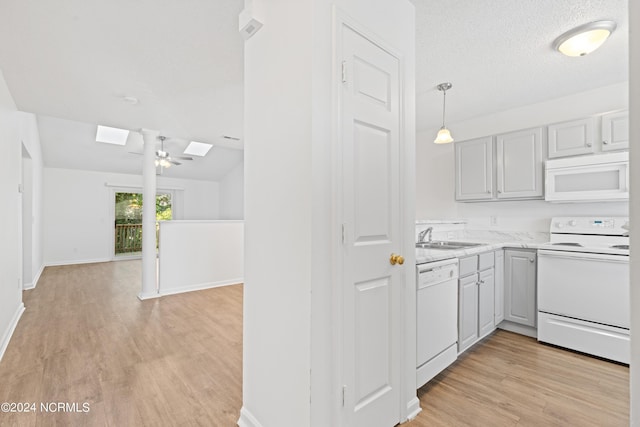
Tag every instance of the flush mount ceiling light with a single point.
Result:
(197, 149)
(584, 39)
(444, 136)
(112, 135)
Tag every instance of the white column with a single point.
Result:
(149, 272)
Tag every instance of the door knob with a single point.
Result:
(396, 259)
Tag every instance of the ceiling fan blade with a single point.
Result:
(184, 158)
(133, 152)
(173, 162)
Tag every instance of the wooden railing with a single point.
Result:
(128, 238)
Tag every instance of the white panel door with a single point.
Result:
(370, 149)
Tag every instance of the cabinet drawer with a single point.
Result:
(468, 265)
(486, 261)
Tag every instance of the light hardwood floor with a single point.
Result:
(178, 361)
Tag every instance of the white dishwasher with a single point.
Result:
(437, 317)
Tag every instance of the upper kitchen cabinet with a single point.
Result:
(615, 131)
(474, 169)
(519, 164)
(572, 138)
(516, 165)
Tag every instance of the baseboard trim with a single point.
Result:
(151, 295)
(12, 327)
(79, 261)
(199, 287)
(518, 329)
(34, 282)
(247, 419)
(413, 408)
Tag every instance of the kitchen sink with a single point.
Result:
(442, 244)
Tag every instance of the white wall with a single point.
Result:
(198, 255)
(11, 306)
(232, 193)
(32, 220)
(78, 211)
(435, 176)
(290, 364)
(634, 101)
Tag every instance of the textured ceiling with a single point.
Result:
(76, 60)
(498, 54)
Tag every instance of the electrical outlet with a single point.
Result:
(494, 220)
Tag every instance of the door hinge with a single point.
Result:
(344, 71)
(344, 237)
(19, 188)
(344, 392)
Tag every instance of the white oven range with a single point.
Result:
(583, 286)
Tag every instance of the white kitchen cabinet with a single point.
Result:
(615, 131)
(571, 138)
(468, 312)
(476, 299)
(486, 301)
(519, 164)
(499, 287)
(520, 286)
(474, 169)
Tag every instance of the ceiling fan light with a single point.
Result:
(443, 137)
(584, 39)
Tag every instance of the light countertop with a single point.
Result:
(429, 255)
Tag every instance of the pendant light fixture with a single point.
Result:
(585, 38)
(444, 136)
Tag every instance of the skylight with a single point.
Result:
(112, 135)
(197, 149)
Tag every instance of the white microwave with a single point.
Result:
(591, 178)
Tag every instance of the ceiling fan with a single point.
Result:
(163, 159)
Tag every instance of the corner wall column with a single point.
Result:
(149, 271)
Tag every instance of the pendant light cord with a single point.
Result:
(444, 105)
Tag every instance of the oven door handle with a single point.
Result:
(583, 255)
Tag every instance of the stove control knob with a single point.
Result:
(572, 223)
(559, 224)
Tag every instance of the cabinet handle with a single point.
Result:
(499, 191)
(589, 144)
(605, 142)
(531, 260)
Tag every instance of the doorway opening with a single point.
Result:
(128, 221)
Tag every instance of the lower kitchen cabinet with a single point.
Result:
(486, 299)
(520, 286)
(476, 299)
(468, 312)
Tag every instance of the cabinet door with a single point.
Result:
(467, 312)
(474, 169)
(519, 164)
(520, 286)
(571, 138)
(486, 302)
(499, 288)
(615, 131)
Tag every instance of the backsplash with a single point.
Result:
(458, 230)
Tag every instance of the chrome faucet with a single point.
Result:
(424, 233)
